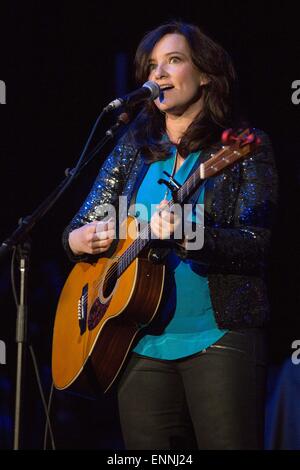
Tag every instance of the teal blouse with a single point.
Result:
(186, 322)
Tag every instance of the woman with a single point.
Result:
(196, 378)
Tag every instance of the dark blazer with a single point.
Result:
(240, 207)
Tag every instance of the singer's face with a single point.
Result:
(170, 63)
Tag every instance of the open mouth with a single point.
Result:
(163, 90)
(166, 88)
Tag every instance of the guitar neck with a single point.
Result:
(242, 146)
(144, 237)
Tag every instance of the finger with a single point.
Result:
(111, 222)
(101, 244)
(166, 225)
(167, 216)
(111, 234)
(101, 226)
(160, 229)
(97, 251)
(100, 236)
(105, 243)
(163, 202)
(92, 227)
(155, 231)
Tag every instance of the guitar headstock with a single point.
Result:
(236, 145)
(241, 137)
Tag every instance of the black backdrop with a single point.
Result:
(61, 63)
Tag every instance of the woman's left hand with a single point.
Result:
(166, 224)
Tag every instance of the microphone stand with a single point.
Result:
(19, 241)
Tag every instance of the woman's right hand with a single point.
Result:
(93, 238)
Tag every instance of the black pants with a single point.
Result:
(212, 400)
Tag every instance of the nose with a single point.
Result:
(160, 72)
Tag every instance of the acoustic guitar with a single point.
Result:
(104, 305)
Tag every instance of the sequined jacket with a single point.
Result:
(240, 205)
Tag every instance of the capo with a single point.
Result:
(172, 184)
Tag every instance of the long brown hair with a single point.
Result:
(218, 95)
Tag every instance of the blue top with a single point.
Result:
(186, 323)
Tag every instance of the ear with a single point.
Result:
(204, 80)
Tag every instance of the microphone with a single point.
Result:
(149, 91)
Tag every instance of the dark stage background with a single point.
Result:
(61, 63)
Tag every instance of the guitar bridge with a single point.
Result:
(82, 309)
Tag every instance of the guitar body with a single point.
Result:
(100, 313)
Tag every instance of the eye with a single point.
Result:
(174, 59)
(151, 67)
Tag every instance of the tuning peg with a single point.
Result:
(250, 138)
(241, 137)
(227, 136)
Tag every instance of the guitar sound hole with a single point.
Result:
(110, 281)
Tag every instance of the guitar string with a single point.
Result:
(131, 250)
